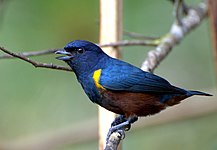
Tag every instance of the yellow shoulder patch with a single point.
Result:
(96, 77)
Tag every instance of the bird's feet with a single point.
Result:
(118, 120)
(121, 124)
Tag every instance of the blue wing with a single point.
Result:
(121, 76)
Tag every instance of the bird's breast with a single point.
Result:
(90, 86)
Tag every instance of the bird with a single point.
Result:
(119, 86)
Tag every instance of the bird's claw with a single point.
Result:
(127, 127)
(121, 124)
(118, 120)
(122, 134)
(124, 126)
(111, 130)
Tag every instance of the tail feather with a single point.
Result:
(199, 93)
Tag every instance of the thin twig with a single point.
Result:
(116, 44)
(29, 54)
(178, 11)
(131, 43)
(184, 6)
(139, 36)
(36, 64)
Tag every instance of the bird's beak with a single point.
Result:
(67, 56)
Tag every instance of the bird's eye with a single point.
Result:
(80, 50)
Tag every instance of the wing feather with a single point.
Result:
(125, 77)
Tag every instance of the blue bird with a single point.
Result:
(119, 86)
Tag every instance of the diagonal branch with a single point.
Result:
(175, 36)
(35, 64)
(29, 54)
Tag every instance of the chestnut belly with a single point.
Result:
(140, 104)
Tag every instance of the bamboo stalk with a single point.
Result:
(212, 5)
(110, 31)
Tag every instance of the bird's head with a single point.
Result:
(81, 55)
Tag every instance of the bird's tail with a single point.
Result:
(198, 93)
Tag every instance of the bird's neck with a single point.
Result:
(88, 66)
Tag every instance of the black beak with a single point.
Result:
(67, 56)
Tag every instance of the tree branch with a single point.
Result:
(139, 36)
(175, 35)
(131, 43)
(148, 42)
(36, 64)
(113, 141)
(29, 54)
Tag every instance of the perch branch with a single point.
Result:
(113, 141)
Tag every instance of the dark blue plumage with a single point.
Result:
(119, 86)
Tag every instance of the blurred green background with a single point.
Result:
(38, 100)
